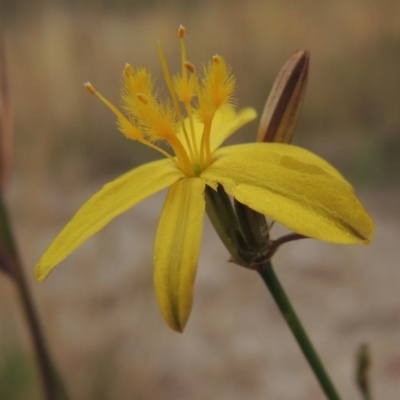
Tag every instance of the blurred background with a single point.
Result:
(98, 307)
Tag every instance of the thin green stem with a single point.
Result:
(366, 395)
(52, 386)
(256, 248)
(363, 371)
(282, 301)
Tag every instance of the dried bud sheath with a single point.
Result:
(284, 102)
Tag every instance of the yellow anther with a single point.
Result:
(190, 67)
(90, 88)
(142, 98)
(181, 32)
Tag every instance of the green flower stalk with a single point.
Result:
(256, 247)
(363, 366)
(287, 183)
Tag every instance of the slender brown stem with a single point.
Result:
(290, 237)
(6, 123)
(10, 262)
(52, 386)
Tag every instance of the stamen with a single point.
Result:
(150, 120)
(128, 69)
(205, 142)
(201, 106)
(192, 133)
(142, 98)
(198, 91)
(190, 67)
(194, 152)
(216, 59)
(168, 80)
(181, 32)
(170, 86)
(114, 109)
(184, 162)
(90, 88)
(125, 125)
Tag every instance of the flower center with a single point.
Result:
(185, 121)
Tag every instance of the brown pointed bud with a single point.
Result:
(284, 102)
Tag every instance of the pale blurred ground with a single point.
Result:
(98, 307)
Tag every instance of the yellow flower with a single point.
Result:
(289, 184)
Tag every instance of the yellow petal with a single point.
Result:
(177, 248)
(115, 198)
(294, 187)
(226, 122)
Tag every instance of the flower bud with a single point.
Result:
(284, 102)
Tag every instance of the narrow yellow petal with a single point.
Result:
(294, 187)
(177, 248)
(226, 122)
(115, 198)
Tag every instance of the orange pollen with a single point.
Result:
(190, 67)
(142, 98)
(181, 32)
(90, 88)
(128, 70)
(216, 59)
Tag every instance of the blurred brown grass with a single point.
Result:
(98, 307)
